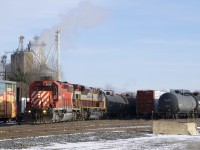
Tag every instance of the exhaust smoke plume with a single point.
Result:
(85, 16)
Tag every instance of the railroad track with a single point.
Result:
(26, 130)
(22, 131)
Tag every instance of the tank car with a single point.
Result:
(131, 108)
(119, 106)
(8, 105)
(54, 101)
(197, 109)
(173, 104)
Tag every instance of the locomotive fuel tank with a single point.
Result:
(176, 103)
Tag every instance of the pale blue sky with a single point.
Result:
(126, 44)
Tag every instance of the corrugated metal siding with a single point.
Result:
(145, 101)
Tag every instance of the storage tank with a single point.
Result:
(176, 103)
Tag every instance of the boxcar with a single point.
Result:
(147, 102)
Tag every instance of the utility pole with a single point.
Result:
(58, 54)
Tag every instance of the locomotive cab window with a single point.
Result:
(65, 86)
(44, 88)
(77, 96)
(55, 92)
(32, 89)
(39, 88)
(70, 89)
(47, 88)
(38, 83)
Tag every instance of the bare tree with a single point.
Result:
(26, 67)
(30, 64)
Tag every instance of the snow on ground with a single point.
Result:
(156, 142)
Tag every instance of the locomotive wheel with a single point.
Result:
(74, 116)
(47, 118)
(85, 115)
(61, 115)
(176, 116)
(37, 118)
(27, 118)
(101, 115)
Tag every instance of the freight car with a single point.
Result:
(179, 104)
(61, 101)
(120, 106)
(8, 105)
(147, 103)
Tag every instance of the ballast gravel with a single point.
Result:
(21, 143)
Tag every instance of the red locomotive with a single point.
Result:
(61, 101)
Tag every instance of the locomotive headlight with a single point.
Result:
(44, 111)
(29, 111)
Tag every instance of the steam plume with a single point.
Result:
(85, 16)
